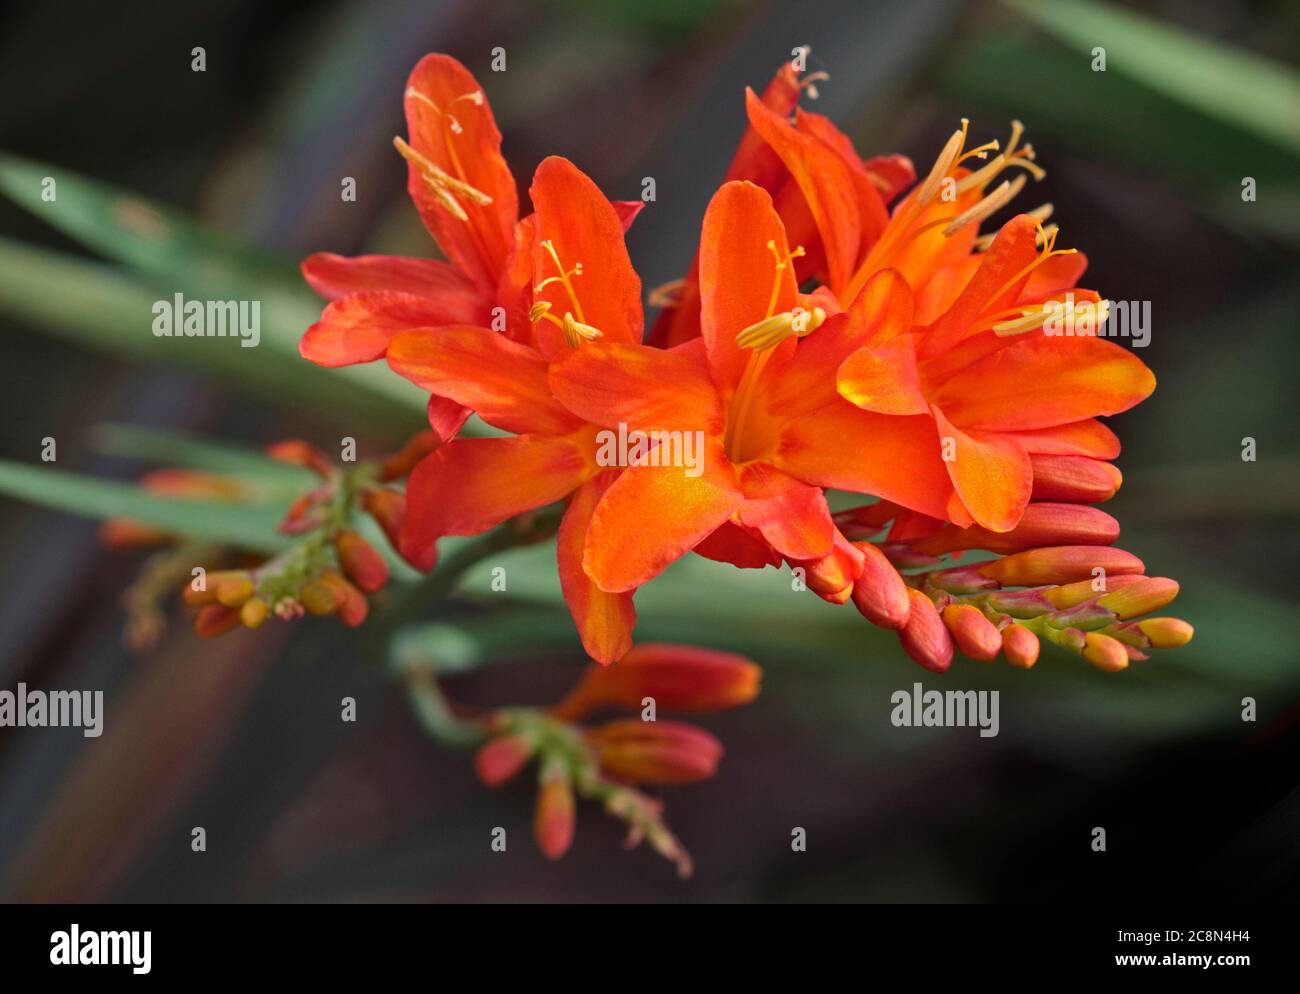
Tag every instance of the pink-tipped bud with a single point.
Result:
(363, 565)
(1166, 633)
(1020, 646)
(1076, 479)
(1062, 564)
(879, 593)
(976, 636)
(1104, 652)
(555, 815)
(501, 758)
(655, 752)
(924, 637)
(1151, 594)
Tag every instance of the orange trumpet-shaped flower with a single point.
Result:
(773, 429)
(999, 389)
(465, 194)
(585, 290)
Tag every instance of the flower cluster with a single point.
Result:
(328, 568)
(843, 327)
(606, 763)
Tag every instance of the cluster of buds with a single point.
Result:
(606, 763)
(330, 568)
(1057, 577)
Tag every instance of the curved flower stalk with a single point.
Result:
(328, 569)
(609, 762)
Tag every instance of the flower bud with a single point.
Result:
(387, 507)
(924, 637)
(832, 576)
(501, 758)
(364, 566)
(553, 820)
(1061, 564)
(319, 597)
(254, 612)
(1076, 479)
(1041, 525)
(879, 593)
(214, 620)
(234, 591)
(301, 453)
(211, 581)
(677, 677)
(975, 635)
(657, 752)
(1072, 594)
(400, 463)
(352, 604)
(1151, 594)
(1104, 652)
(1166, 633)
(1020, 646)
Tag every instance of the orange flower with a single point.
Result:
(585, 288)
(998, 395)
(465, 194)
(774, 430)
(780, 158)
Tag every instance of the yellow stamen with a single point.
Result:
(442, 184)
(576, 330)
(903, 229)
(761, 337)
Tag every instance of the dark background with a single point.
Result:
(242, 735)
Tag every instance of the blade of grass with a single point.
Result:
(244, 526)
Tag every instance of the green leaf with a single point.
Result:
(244, 526)
(1246, 90)
(173, 448)
(169, 253)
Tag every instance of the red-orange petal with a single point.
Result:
(792, 516)
(335, 276)
(450, 123)
(653, 515)
(359, 327)
(737, 273)
(604, 620)
(825, 181)
(990, 472)
(895, 458)
(583, 228)
(1044, 381)
(503, 381)
(647, 389)
(471, 484)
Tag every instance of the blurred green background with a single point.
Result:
(1146, 163)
